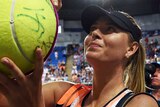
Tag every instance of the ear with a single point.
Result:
(132, 49)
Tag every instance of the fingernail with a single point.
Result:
(4, 60)
(39, 51)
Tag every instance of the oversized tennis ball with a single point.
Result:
(25, 25)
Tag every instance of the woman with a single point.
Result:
(112, 48)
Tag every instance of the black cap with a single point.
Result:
(150, 68)
(156, 64)
(92, 13)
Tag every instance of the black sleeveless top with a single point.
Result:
(77, 94)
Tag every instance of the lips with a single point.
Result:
(94, 45)
(155, 79)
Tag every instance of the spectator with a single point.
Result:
(47, 78)
(56, 54)
(155, 83)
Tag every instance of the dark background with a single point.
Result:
(71, 9)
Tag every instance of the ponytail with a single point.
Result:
(135, 74)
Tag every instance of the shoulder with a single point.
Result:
(58, 85)
(53, 91)
(142, 100)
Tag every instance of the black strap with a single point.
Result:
(115, 96)
(125, 99)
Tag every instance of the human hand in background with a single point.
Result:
(57, 4)
(23, 90)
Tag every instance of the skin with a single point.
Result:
(24, 85)
(156, 83)
(106, 49)
(6, 98)
(101, 48)
(57, 4)
(156, 78)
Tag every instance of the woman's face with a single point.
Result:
(105, 42)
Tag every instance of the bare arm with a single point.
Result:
(53, 92)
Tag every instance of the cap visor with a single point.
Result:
(92, 13)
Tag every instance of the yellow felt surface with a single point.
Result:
(34, 25)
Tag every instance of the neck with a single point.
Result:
(106, 86)
(156, 94)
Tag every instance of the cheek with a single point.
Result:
(116, 46)
(86, 41)
(159, 75)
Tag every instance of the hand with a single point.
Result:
(23, 91)
(57, 4)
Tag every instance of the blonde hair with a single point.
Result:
(134, 75)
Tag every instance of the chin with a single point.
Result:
(92, 57)
(155, 84)
(92, 60)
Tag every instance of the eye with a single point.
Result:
(93, 27)
(109, 29)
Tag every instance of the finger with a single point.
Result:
(57, 4)
(6, 95)
(5, 83)
(3, 90)
(15, 71)
(37, 74)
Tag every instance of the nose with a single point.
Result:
(95, 35)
